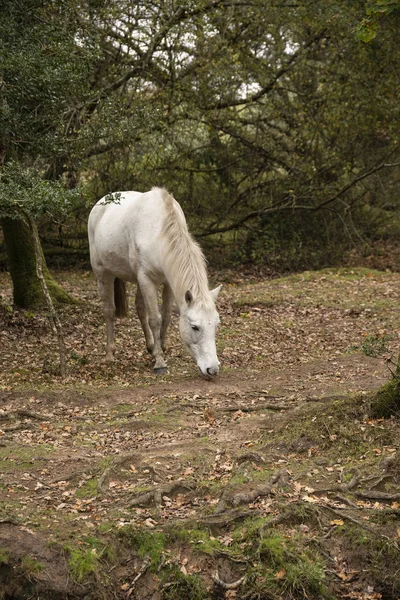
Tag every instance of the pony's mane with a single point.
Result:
(184, 257)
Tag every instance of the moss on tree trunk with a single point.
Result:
(22, 264)
(386, 402)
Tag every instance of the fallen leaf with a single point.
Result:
(280, 574)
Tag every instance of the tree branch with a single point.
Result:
(285, 205)
(272, 83)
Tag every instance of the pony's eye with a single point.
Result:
(195, 328)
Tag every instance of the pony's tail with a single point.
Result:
(120, 298)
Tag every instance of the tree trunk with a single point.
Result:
(28, 291)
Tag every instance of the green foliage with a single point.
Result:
(23, 190)
(47, 62)
(376, 10)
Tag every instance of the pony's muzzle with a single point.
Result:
(212, 371)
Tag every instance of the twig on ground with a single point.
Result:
(143, 569)
(228, 555)
(329, 533)
(195, 405)
(49, 486)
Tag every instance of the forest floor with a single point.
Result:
(270, 482)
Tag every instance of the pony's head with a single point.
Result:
(198, 324)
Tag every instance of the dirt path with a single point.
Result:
(269, 482)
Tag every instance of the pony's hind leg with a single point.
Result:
(105, 284)
(142, 314)
(148, 290)
(168, 299)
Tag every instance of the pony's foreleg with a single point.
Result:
(142, 314)
(106, 292)
(149, 294)
(168, 299)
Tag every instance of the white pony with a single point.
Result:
(144, 238)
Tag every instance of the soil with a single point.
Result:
(279, 447)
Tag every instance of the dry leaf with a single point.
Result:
(336, 522)
(280, 574)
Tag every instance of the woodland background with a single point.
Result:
(275, 124)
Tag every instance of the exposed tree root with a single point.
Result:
(17, 427)
(25, 414)
(254, 408)
(326, 398)
(157, 494)
(361, 524)
(250, 457)
(342, 487)
(235, 500)
(119, 460)
(367, 494)
(375, 495)
(223, 520)
(280, 476)
(227, 586)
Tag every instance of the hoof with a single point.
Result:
(160, 370)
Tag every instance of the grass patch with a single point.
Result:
(4, 556)
(17, 458)
(179, 586)
(85, 557)
(281, 564)
(88, 490)
(144, 543)
(30, 567)
(83, 562)
(374, 345)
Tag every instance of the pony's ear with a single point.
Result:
(214, 293)
(188, 297)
